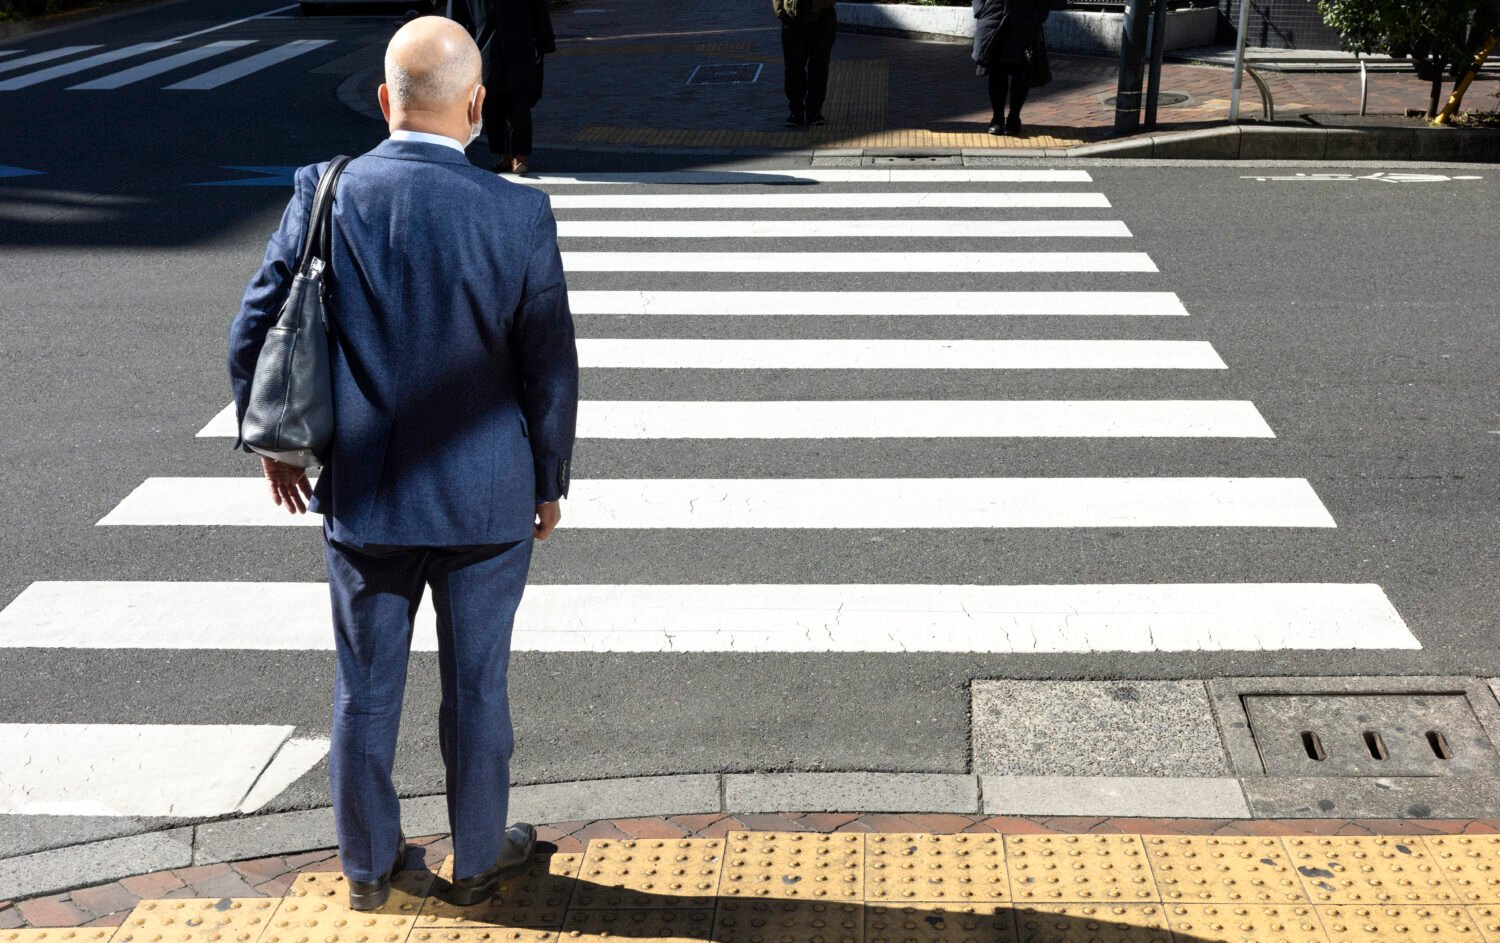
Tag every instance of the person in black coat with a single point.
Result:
(1003, 33)
(512, 35)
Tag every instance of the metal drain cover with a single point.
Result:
(1370, 735)
(1164, 100)
(738, 73)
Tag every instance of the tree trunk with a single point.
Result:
(1437, 95)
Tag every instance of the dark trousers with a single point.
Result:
(507, 117)
(1008, 81)
(375, 591)
(806, 46)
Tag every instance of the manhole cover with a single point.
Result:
(738, 73)
(1370, 735)
(1164, 100)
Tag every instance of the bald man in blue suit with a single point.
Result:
(455, 385)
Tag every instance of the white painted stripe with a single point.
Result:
(683, 354)
(813, 262)
(931, 419)
(221, 426)
(827, 201)
(744, 618)
(10, 52)
(37, 58)
(243, 19)
(800, 504)
(136, 769)
(121, 79)
(248, 66)
(810, 175)
(79, 65)
(878, 303)
(841, 228)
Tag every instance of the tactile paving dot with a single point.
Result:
(221, 920)
(777, 921)
(794, 865)
(1068, 868)
(1213, 870)
(1245, 923)
(653, 874)
(471, 934)
(57, 935)
(591, 926)
(1471, 863)
(935, 868)
(1361, 924)
(1373, 871)
(1487, 918)
(1092, 923)
(536, 900)
(939, 923)
(316, 910)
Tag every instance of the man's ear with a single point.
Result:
(384, 94)
(478, 105)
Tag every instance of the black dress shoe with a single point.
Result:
(520, 842)
(796, 119)
(1013, 127)
(995, 129)
(816, 117)
(369, 895)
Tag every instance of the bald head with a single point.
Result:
(431, 65)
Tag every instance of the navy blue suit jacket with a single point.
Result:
(455, 374)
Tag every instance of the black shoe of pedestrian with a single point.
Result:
(520, 844)
(371, 895)
(995, 129)
(1013, 127)
(795, 120)
(816, 118)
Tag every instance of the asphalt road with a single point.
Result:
(1359, 316)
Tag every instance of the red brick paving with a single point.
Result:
(52, 912)
(106, 899)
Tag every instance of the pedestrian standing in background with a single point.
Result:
(1008, 47)
(513, 36)
(807, 31)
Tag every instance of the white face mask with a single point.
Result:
(477, 126)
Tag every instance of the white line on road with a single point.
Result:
(37, 58)
(809, 175)
(121, 79)
(818, 262)
(685, 354)
(79, 65)
(248, 66)
(142, 769)
(243, 19)
(816, 504)
(842, 228)
(744, 618)
(878, 303)
(828, 201)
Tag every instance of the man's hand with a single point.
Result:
(547, 516)
(289, 485)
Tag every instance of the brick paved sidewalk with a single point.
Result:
(108, 905)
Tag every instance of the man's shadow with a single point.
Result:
(543, 900)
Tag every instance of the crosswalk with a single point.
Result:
(167, 60)
(718, 269)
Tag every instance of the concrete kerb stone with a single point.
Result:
(1116, 796)
(1278, 143)
(616, 798)
(63, 869)
(1202, 144)
(852, 792)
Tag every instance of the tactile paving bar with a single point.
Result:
(777, 921)
(660, 926)
(1245, 923)
(57, 935)
(536, 900)
(935, 868)
(1092, 923)
(1361, 924)
(225, 920)
(1470, 863)
(316, 910)
(1079, 868)
(938, 923)
(1369, 871)
(1210, 870)
(651, 874)
(803, 865)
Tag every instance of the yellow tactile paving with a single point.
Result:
(1487, 918)
(1092, 923)
(226, 920)
(939, 923)
(653, 874)
(797, 865)
(1471, 864)
(1369, 871)
(935, 868)
(1079, 868)
(316, 910)
(535, 900)
(599, 926)
(1245, 923)
(57, 935)
(1211, 870)
(1361, 924)
(828, 136)
(775, 921)
(472, 934)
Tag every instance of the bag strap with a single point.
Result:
(319, 239)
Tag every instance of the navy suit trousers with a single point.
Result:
(375, 592)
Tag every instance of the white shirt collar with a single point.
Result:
(422, 137)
